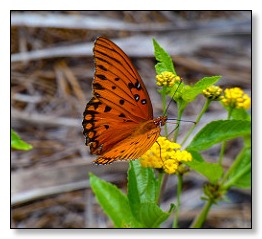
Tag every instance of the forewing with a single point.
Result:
(117, 83)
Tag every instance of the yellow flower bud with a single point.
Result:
(167, 79)
(213, 92)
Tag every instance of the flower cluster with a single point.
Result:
(236, 98)
(213, 92)
(166, 155)
(167, 79)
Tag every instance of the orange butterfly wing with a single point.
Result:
(118, 121)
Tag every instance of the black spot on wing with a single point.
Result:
(137, 97)
(122, 115)
(143, 102)
(101, 77)
(102, 67)
(98, 86)
(107, 109)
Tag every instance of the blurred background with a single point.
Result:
(52, 69)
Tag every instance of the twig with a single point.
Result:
(34, 194)
(44, 119)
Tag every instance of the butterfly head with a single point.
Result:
(160, 121)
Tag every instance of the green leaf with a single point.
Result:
(192, 92)
(165, 61)
(142, 189)
(218, 131)
(240, 114)
(142, 184)
(247, 140)
(211, 171)
(245, 163)
(151, 215)
(114, 203)
(18, 143)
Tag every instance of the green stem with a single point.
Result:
(159, 184)
(240, 174)
(223, 145)
(197, 120)
(199, 220)
(178, 203)
(233, 166)
(222, 152)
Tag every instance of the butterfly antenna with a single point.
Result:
(177, 124)
(190, 121)
(160, 151)
(165, 112)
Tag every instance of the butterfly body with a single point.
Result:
(118, 121)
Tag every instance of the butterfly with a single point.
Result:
(118, 121)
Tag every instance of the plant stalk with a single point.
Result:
(178, 203)
(159, 184)
(223, 145)
(233, 166)
(199, 220)
(207, 103)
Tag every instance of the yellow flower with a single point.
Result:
(213, 92)
(166, 155)
(170, 166)
(167, 79)
(236, 98)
